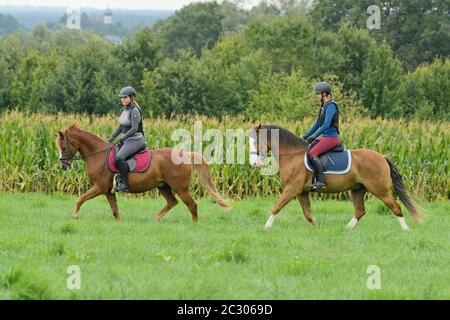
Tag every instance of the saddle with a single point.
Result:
(138, 162)
(335, 161)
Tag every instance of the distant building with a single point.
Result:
(107, 18)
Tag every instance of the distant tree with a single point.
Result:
(193, 27)
(287, 41)
(416, 30)
(344, 54)
(140, 52)
(12, 51)
(234, 18)
(81, 75)
(264, 11)
(282, 96)
(424, 92)
(8, 24)
(381, 79)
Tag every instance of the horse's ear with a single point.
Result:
(61, 135)
(259, 126)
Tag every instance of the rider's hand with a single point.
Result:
(310, 139)
(118, 144)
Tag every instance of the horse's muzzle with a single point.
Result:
(255, 160)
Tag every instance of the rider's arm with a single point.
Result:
(135, 120)
(115, 134)
(331, 110)
(313, 129)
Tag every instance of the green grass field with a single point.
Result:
(227, 255)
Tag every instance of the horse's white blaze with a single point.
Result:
(352, 223)
(254, 159)
(60, 154)
(403, 223)
(270, 221)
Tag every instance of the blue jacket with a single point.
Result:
(326, 129)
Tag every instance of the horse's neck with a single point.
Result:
(89, 142)
(283, 150)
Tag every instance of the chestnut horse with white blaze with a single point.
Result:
(370, 172)
(163, 173)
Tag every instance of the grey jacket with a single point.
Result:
(130, 118)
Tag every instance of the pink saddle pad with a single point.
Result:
(142, 161)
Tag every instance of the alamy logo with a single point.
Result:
(374, 20)
(374, 280)
(73, 18)
(74, 279)
(227, 148)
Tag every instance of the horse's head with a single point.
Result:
(265, 138)
(259, 145)
(67, 147)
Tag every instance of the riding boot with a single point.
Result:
(320, 177)
(123, 171)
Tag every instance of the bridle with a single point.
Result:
(67, 160)
(259, 153)
(263, 154)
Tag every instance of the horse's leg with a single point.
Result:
(188, 201)
(389, 200)
(303, 198)
(113, 204)
(288, 194)
(384, 193)
(171, 201)
(358, 203)
(91, 193)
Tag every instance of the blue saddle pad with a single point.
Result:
(333, 162)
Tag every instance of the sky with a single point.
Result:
(101, 4)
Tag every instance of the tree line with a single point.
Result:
(216, 59)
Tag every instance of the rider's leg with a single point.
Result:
(129, 148)
(123, 168)
(325, 144)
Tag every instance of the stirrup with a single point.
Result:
(318, 185)
(123, 188)
(115, 186)
(116, 183)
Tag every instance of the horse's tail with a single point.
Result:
(201, 167)
(402, 192)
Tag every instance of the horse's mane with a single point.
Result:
(286, 138)
(71, 127)
(77, 128)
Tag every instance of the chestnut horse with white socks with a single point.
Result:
(370, 172)
(163, 173)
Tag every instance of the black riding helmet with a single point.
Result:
(127, 91)
(322, 86)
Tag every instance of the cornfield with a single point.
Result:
(29, 157)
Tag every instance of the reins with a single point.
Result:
(69, 159)
(279, 155)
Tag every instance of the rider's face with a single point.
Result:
(318, 96)
(326, 97)
(125, 100)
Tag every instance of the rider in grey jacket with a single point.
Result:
(132, 138)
